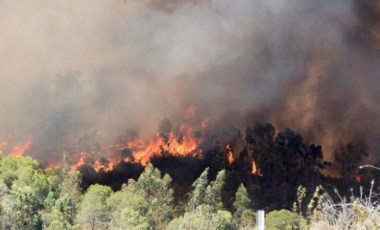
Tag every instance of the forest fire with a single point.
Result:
(81, 161)
(230, 154)
(105, 166)
(137, 150)
(189, 114)
(175, 145)
(99, 165)
(18, 149)
(230, 157)
(255, 169)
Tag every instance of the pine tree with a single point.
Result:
(94, 210)
(70, 180)
(244, 216)
(213, 195)
(21, 209)
(158, 193)
(199, 192)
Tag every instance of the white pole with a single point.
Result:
(260, 219)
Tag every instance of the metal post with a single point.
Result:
(260, 219)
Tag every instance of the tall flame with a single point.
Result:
(230, 154)
(255, 169)
(21, 148)
(80, 162)
(175, 145)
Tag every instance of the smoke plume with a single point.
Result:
(76, 70)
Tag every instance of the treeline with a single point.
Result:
(33, 198)
(192, 193)
(283, 160)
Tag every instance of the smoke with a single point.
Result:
(82, 68)
(335, 101)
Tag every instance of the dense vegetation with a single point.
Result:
(175, 192)
(32, 198)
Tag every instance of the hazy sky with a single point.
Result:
(73, 67)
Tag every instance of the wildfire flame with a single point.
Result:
(230, 154)
(15, 149)
(20, 149)
(181, 143)
(104, 166)
(81, 161)
(184, 141)
(255, 169)
(176, 145)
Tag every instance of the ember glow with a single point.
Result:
(358, 178)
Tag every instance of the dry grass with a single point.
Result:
(361, 212)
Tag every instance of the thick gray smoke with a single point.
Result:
(103, 68)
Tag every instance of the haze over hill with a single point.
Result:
(71, 69)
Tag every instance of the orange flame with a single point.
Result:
(182, 143)
(255, 169)
(20, 149)
(105, 166)
(230, 155)
(176, 146)
(81, 161)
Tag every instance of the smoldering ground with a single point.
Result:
(72, 68)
